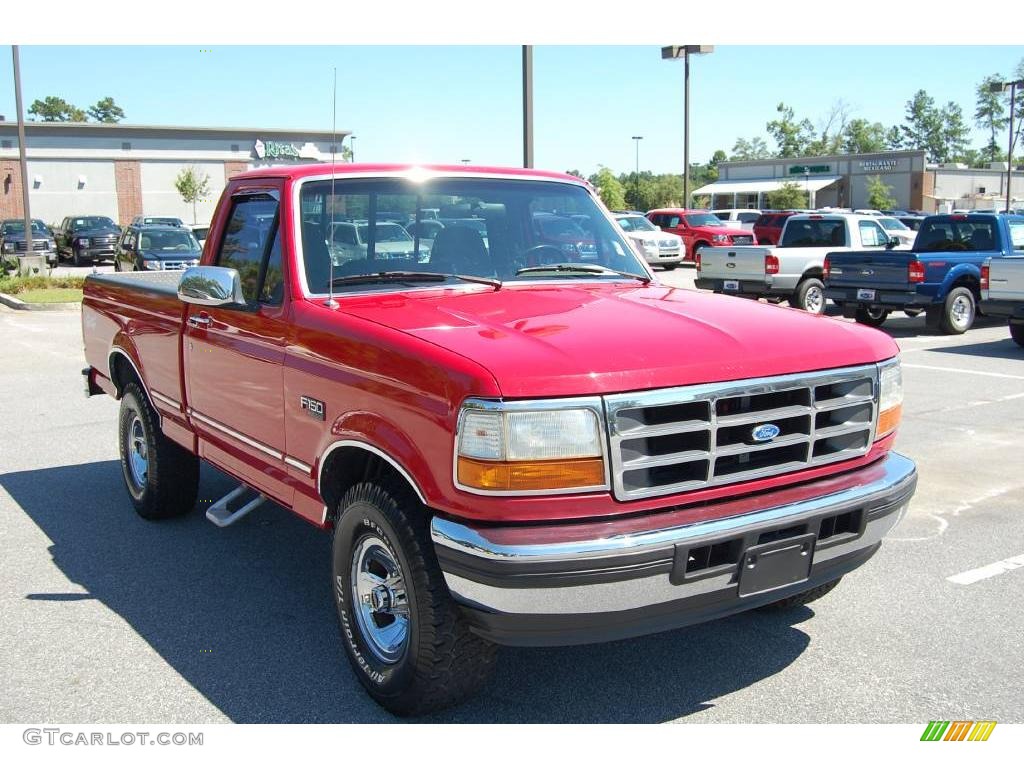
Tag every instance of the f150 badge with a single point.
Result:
(762, 433)
(314, 407)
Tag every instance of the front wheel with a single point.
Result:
(958, 311)
(670, 267)
(1017, 333)
(809, 296)
(873, 316)
(407, 642)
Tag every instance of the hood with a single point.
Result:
(589, 338)
(649, 236)
(170, 255)
(723, 230)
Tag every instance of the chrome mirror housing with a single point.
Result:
(211, 287)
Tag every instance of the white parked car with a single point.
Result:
(199, 231)
(896, 228)
(738, 218)
(350, 240)
(658, 248)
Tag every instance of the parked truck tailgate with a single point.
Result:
(880, 270)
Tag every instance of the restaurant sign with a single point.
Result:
(801, 169)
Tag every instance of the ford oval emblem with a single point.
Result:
(762, 433)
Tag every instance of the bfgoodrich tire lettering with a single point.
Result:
(442, 662)
(162, 478)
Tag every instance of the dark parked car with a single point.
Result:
(156, 248)
(914, 222)
(87, 238)
(164, 221)
(12, 239)
(768, 227)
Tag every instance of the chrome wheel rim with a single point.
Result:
(876, 313)
(381, 603)
(138, 453)
(814, 300)
(960, 311)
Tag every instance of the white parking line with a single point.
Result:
(964, 370)
(988, 571)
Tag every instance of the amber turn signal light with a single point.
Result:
(888, 420)
(530, 475)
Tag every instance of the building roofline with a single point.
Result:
(42, 127)
(807, 158)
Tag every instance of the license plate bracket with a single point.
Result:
(866, 294)
(731, 285)
(781, 563)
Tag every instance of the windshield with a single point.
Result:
(491, 228)
(894, 224)
(93, 222)
(813, 233)
(703, 220)
(15, 226)
(636, 224)
(169, 240)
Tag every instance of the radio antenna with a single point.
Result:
(330, 233)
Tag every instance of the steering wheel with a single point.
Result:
(531, 257)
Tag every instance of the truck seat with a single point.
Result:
(461, 251)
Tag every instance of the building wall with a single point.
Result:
(11, 200)
(129, 189)
(160, 198)
(58, 189)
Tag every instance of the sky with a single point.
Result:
(446, 104)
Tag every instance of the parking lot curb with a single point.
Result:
(33, 306)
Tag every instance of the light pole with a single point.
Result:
(352, 147)
(636, 175)
(527, 106)
(807, 185)
(999, 88)
(683, 52)
(22, 157)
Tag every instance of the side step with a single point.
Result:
(221, 512)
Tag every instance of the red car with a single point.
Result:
(698, 229)
(508, 443)
(768, 227)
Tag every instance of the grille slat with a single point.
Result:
(821, 418)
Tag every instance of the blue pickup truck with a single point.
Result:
(940, 275)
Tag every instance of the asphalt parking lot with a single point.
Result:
(109, 618)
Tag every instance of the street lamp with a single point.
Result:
(636, 175)
(683, 52)
(999, 88)
(352, 147)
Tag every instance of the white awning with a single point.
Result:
(752, 186)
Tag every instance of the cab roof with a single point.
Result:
(412, 170)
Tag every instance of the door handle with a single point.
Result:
(200, 321)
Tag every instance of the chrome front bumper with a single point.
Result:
(579, 583)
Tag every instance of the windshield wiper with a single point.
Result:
(589, 269)
(399, 276)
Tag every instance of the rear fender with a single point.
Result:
(961, 274)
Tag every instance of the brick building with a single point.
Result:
(122, 171)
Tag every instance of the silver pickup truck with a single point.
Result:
(791, 270)
(1002, 292)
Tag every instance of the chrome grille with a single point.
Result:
(37, 245)
(686, 438)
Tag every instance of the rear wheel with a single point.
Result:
(873, 316)
(404, 635)
(809, 296)
(912, 312)
(670, 267)
(958, 311)
(1017, 333)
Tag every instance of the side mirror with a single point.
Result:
(212, 287)
(893, 243)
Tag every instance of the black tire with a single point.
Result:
(912, 312)
(670, 267)
(873, 317)
(958, 311)
(75, 259)
(441, 662)
(169, 485)
(816, 289)
(1017, 333)
(802, 598)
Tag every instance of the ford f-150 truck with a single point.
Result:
(941, 275)
(502, 443)
(698, 229)
(791, 270)
(1002, 288)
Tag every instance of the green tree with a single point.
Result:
(668, 190)
(106, 111)
(54, 109)
(990, 114)
(752, 149)
(879, 194)
(609, 188)
(791, 136)
(192, 186)
(831, 129)
(787, 197)
(954, 133)
(922, 127)
(641, 192)
(894, 138)
(860, 137)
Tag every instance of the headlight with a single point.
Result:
(720, 238)
(890, 397)
(530, 447)
(83, 241)
(651, 246)
(9, 247)
(51, 245)
(150, 264)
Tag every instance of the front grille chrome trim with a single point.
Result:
(791, 400)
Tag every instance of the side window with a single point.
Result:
(871, 234)
(1017, 235)
(253, 248)
(673, 221)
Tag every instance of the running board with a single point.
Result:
(222, 515)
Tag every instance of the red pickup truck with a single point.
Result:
(509, 443)
(699, 229)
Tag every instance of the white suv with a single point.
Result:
(738, 218)
(658, 248)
